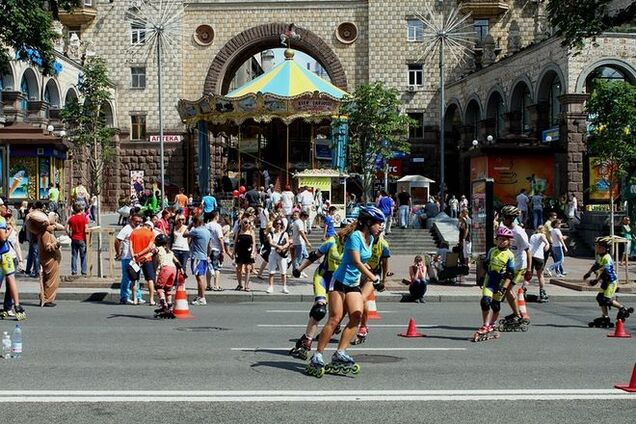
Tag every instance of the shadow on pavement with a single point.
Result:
(146, 317)
(560, 326)
(290, 366)
(463, 339)
(273, 351)
(448, 327)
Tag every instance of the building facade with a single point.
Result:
(517, 92)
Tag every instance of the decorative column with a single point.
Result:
(572, 139)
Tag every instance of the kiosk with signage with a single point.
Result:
(332, 185)
(417, 186)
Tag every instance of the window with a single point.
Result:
(415, 30)
(417, 131)
(24, 88)
(74, 30)
(481, 29)
(138, 127)
(137, 34)
(88, 2)
(138, 77)
(554, 104)
(416, 75)
(499, 115)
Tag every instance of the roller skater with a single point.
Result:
(500, 270)
(520, 248)
(331, 250)
(342, 364)
(167, 269)
(344, 289)
(606, 275)
(379, 265)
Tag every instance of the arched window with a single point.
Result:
(473, 116)
(521, 100)
(607, 73)
(554, 105)
(24, 88)
(495, 113)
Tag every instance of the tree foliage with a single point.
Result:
(26, 26)
(86, 121)
(611, 142)
(377, 129)
(576, 20)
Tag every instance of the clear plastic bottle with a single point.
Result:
(6, 345)
(16, 342)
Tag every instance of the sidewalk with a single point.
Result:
(106, 290)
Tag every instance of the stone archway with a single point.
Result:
(254, 40)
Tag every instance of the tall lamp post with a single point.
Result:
(441, 34)
(161, 23)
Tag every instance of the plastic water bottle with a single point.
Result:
(16, 342)
(6, 345)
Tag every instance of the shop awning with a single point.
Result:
(23, 134)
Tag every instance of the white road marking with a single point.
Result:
(131, 396)
(371, 325)
(353, 349)
(306, 311)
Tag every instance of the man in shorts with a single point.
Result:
(142, 243)
(217, 250)
(199, 251)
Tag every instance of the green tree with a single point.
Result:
(377, 129)
(25, 25)
(576, 20)
(611, 112)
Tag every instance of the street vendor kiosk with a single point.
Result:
(331, 183)
(417, 186)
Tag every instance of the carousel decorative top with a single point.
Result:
(286, 92)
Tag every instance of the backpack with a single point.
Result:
(22, 235)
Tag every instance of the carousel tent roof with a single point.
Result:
(288, 79)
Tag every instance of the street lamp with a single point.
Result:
(475, 143)
(490, 139)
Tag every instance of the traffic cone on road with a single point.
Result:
(631, 387)
(181, 309)
(372, 311)
(620, 331)
(411, 331)
(521, 303)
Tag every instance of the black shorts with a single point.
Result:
(538, 264)
(339, 287)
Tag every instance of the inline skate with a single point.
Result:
(164, 311)
(361, 336)
(543, 297)
(20, 314)
(302, 348)
(4, 313)
(624, 313)
(513, 323)
(316, 366)
(486, 332)
(342, 364)
(601, 322)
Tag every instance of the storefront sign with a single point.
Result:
(166, 138)
(323, 183)
(553, 133)
(323, 149)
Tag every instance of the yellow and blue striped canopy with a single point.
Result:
(288, 79)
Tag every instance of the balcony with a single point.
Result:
(78, 17)
(484, 8)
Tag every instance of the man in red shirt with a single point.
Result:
(76, 227)
(142, 243)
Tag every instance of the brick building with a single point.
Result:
(518, 84)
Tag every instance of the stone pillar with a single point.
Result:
(37, 111)
(13, 106)
(572, 140)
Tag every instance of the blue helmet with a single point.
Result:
(371, 213)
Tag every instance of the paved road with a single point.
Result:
(87, 361)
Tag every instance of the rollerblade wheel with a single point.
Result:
(355, 369)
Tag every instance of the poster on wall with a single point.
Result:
(21, 174)
(514, 172)
(136, 183)
(44, 174)
(599, 175)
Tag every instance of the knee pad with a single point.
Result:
(602, 300)
(485, 303)
(314, 255)
(495, 305)
(318, 311)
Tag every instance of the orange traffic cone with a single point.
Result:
(181, 309)
(521, 303)
(631, 387)
(620, 331)
(372, 311)
(411, 331)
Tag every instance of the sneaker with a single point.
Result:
(285, 290)
(270, 290)
(199, 301)
(547, 273)
(141, 302)
(303, 275)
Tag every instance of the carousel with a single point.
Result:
(283, 122)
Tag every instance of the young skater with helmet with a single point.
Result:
(345, 293)
(605, 274)
(167, 268)
(499, 274)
